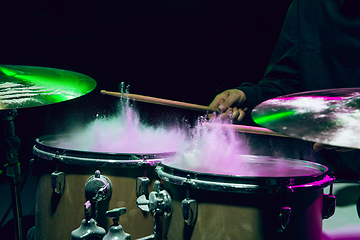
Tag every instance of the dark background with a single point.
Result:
(184, 50)
(188, 50)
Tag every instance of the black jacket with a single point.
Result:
(318, 48)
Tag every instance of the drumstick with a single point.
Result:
(161, 101)
(250, 129)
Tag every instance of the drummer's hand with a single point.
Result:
(228, 103)
(318, 146)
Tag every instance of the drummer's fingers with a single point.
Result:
(219, 99)
(238, 114)
(235, 113)
(235, 97)
(221, 116)
(343, 149)
(318, 146)
(241, 114)
(211, 116)
(227, 114)
(346, 150)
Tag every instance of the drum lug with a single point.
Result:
(284, 218)
(88, 228)
(189, 210)
(116, 231)
(33, 167)
(98, 187)
(58, 182)
(159, 203)
(142, 185)
(329, 204)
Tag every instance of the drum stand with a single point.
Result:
(11, 145)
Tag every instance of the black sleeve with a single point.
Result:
(282, 74)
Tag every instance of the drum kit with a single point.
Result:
(81, 193)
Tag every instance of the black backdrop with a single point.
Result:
(185, 50)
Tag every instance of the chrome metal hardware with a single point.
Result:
(88, 228)
(98, 187)
(33, 167)
(116, 231)
(58, 182)
(142, 185)
(284, 218)
(189, 210)
(143, 203)
(159, 203)
(12, 170)
(329, 204)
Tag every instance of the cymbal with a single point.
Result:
(330, 116)
(28, 86)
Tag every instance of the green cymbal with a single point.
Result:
(28, 86)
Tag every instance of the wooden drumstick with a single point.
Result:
(250, 129)
(161, 101)
(165, 102)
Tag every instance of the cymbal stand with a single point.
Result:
(11, 145)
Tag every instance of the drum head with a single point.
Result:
(52, 146)
(249, 174)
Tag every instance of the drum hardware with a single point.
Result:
(98, 187)
(189, 206)
(58, 182)
(284, 215)
(142, 184)
(284, 218)
(116, 231)
(11, 145)
(33, 167)
(57, 178)
(189, 210)
(88, 228)
(134, 157)
(329, 204)
(159, 203)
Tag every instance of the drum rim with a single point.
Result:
(250, 184)
(43, 149)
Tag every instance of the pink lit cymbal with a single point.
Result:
(329, 116)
